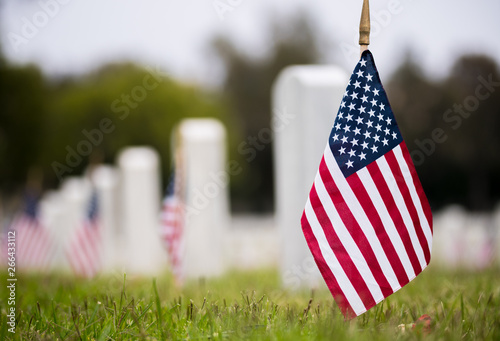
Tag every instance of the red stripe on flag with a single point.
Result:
(84, 239)
(172, 233)
(340, 252)
(37, 252)
(405, 192)
(84, 251)
(27, 238)
(79, 254)
(92, 238)
(91, 247)
(354, 229)
(323, 267)
(393, 210)
(22, 239)
(374, 217)
(76, 260)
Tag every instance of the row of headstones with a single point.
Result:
(466, 240)
(127, 213)
(305, 100)
(129, 201)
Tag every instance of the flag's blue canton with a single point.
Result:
(171, 185)
(365, 127)
(93, 207)
(31, 206)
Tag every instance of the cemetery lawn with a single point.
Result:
(247, 306)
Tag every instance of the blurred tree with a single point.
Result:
(454, 148)
(418, 104)
(474, 141)
(56, 126)
(114, 107)
(22, 112)
(248, 85)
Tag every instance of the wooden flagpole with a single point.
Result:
(364, 27)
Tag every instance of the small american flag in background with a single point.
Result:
(84, 248)
(367, 220)
(172, 224)
(34, 245)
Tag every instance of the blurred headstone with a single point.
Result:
(106, 180)
(449, 241)
(203, 154)
(478, 244)
(52, 213)
(462, 239)
(306, 100)
(142, 253)
(252, 242)
(75, 193)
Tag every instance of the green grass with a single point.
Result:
(246, 306)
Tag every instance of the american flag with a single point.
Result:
(34, 244)
(367, 220)
(84, 248)
(172, 224)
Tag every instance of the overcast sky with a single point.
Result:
(75, 36)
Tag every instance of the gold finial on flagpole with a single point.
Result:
(364, 26)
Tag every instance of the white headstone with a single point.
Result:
(52, 212)
(203, 145)
(106, 180)
(478, 248)
(448, 245)
(252, 242)
(305, 102)
(74, 199)
(142, 252)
